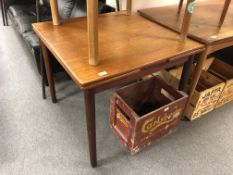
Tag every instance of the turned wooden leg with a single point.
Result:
(186, 73)
(89, 96)
(49, 71)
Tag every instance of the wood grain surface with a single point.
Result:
(126, 44)
(204, 24)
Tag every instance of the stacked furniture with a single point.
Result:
(210, 25)
(101, 52)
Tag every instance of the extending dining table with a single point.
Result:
(130, 47)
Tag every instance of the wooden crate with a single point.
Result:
(145, 111)
(225, 72)
(206, 95)
(208, 91)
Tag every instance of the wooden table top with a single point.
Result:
(126, 44)
(204, 23)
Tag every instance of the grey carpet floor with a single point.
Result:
(41, 138)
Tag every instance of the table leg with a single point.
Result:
(49, 71)
(186, 73)
(89, 96)
(42, 75)
(200, 63)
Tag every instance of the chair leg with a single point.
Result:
(118, 5)
(180, 6)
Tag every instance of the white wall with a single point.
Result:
(140, 4)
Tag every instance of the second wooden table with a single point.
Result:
(204, 27)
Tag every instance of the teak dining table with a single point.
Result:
(130, 47)
(204, 26)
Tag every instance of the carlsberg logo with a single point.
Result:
(152, 124)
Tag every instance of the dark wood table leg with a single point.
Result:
(49, 71)
(42, 75)
(186, 73)
(89, 96)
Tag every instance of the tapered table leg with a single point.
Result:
(198, 70)
(49, 71)
(89, 96)
(42, 75)
(186, 73)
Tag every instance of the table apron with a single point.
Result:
(213, 47)
(135, 75)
